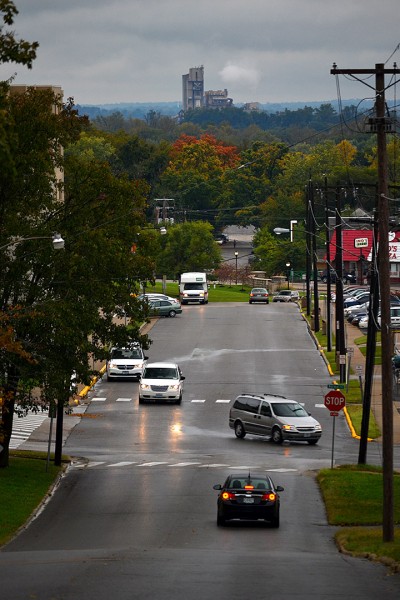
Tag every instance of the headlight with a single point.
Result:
(318, 427)
(145, 386)
(288, 427)
(174, 387)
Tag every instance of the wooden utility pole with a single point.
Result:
(339, 305)
(380, 125)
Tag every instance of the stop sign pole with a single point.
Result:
(334, 402)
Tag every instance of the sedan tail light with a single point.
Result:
(227, 496)
(270, 496)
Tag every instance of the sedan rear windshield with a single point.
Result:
(286, 409)
(258, 484)
(160, 373)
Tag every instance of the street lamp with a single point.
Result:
(236, 259)
(288, 273)
(58, 242)
(279, 230)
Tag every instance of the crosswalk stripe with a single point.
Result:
(122, 463)
(184, 464)
(97, 399)
(214, 465)
(198, 401)
(153, 464)
(123, 399)
(221, 401)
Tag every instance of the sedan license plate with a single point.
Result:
(125, 372)
(248, 500)
(159, 395)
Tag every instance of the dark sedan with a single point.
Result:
(248, 496)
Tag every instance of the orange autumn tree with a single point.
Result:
(195, 174)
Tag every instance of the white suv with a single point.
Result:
(125, 362)
(161, 381)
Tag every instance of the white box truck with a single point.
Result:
(193, 288)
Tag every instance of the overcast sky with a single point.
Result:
(110, 51)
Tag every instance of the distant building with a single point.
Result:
(252, 106)
(217, 99)
(193, 89)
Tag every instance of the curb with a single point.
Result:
(329, 368)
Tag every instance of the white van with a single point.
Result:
(193, 288)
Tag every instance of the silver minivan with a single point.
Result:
(275, 417)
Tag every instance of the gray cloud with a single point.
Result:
(103, 51)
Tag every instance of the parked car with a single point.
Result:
(248, 496)
(358, 300)
(221, 238)
(164, 308)
(355, 291)
(161, 381)
(258, 295)
(155, 296)
(347, 277)
(286, 296)
(125, 363)
(273, 416)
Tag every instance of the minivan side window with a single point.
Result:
(240, 403)
(265, 410)
(252, 405)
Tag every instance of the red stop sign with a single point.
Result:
(334, 400)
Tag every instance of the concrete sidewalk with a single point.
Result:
(352, 333)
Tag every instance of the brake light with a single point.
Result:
(249, 487)
(227, 496)
(271, 497)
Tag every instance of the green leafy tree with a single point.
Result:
(247, 187)
(11, 49)
(273, 252)
(189, 247)
(58, 309)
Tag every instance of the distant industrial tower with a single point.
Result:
(193, 88)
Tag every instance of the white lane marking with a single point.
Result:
(184, 464)
(320, 406)
(282, 470)
(197, 401)
(95, 464)
(152, 464)
(123, 399)
(221, 401)
(122, 463)
(215, 465)
(97, 399)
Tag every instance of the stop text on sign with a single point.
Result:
(334, 400)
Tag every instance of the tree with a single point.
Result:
(189, 247)
(12, 50)
(247, 187)
(58, 309)
(194, 174)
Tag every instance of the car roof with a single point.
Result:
(270, 397)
